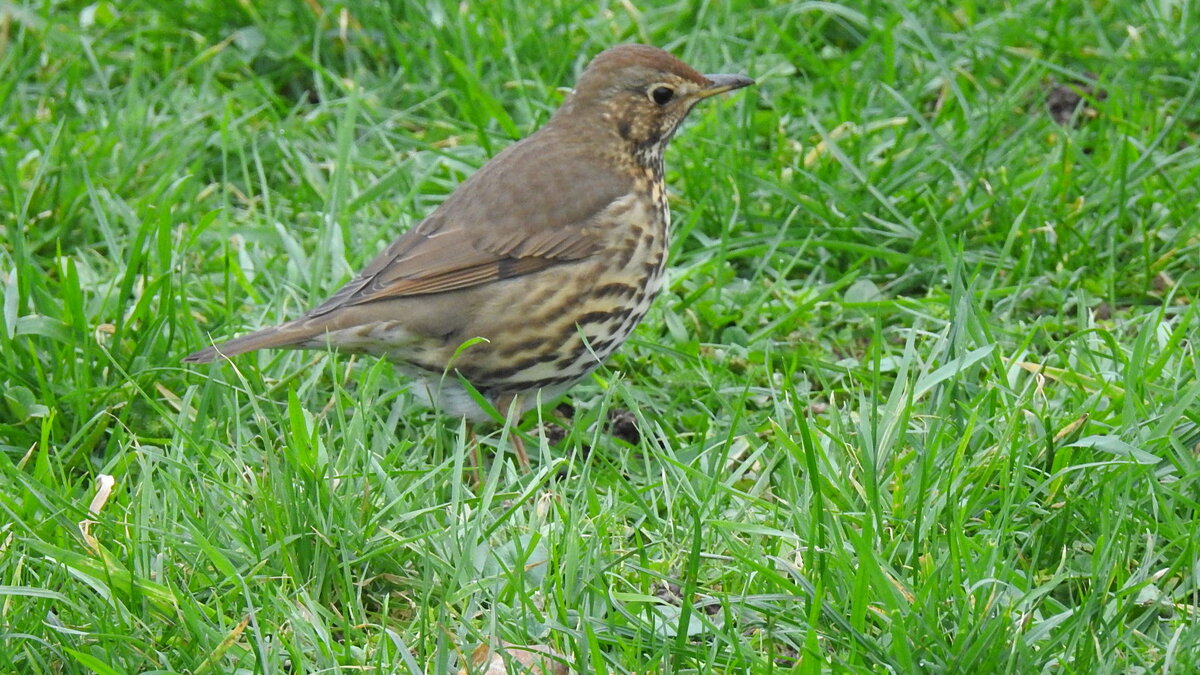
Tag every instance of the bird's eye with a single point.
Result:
(662, 95)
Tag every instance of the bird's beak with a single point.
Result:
(719, 84)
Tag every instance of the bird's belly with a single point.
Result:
(562, 325)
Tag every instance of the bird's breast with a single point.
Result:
(550, 328)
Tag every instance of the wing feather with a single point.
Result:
(537, 204)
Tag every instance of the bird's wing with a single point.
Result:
(535, 205)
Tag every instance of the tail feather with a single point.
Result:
(276, 336)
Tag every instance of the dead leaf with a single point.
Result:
(509, 658)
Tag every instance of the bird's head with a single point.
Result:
(641, 94)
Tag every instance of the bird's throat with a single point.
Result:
(649, 157)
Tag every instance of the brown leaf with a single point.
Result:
(508, 658)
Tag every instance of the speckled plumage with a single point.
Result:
(552, 252)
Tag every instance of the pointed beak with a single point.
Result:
(719, 84)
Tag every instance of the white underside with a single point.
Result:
(447, 396)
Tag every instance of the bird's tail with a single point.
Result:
(276, 336)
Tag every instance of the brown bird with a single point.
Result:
(551, 253)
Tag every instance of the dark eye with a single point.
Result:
(662, 95)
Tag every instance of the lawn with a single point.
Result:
(921, 395)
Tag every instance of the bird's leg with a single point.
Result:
(522, 456)
(475, 459)
(511, 407)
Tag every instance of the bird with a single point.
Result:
(538, 266)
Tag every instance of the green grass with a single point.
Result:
(922, 395)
